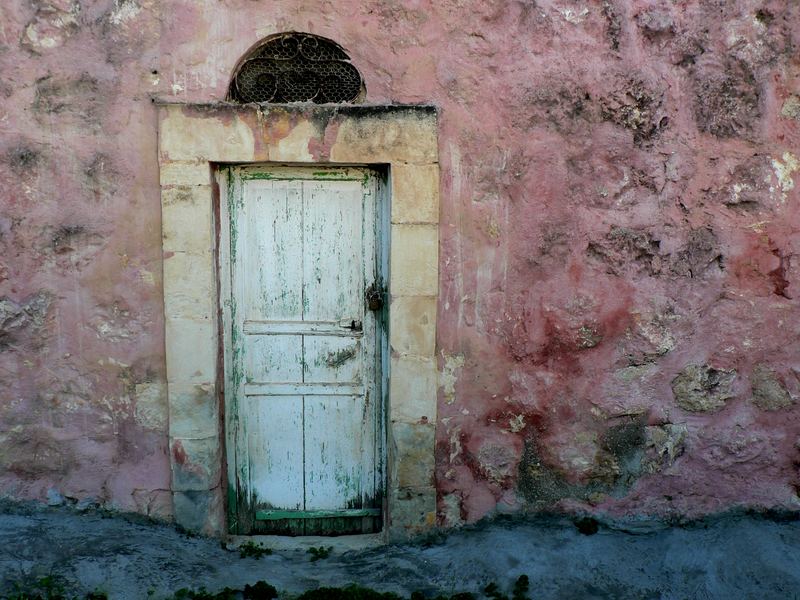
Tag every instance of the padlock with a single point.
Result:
(374, 297)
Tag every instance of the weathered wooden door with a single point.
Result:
(302, 353)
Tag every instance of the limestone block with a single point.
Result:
(414, 260)
(415, 193)
(207, 138)
(193, 410)
(411, 511)
(412, 393)
(153, 503)
(187, 220)
(189, 286)
(412, 451)
(199, 511)
(294, 146)
(196, 463)
(191, 350)
(412, 323)
(184, 173)
(387, 138)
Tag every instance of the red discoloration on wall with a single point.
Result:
(320, 149)
(178, 453)
(617, 204)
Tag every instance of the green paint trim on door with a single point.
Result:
(274, 515)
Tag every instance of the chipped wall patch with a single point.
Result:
(449, 376)
(784, 169)
(150, 409)
(124, 10)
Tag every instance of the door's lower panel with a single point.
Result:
(328, 523)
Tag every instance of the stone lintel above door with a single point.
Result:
(193, 140)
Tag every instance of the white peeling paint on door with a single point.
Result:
(303, 408)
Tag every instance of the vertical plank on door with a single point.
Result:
(333, 288)
(333, 273)
(334, 445)
(275, 442)
(267, 283)
(272, 266)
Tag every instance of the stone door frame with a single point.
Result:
(193, 140)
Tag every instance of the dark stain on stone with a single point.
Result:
(23, 159)
(81, 98)
(634, 107)
(764, 16)
(305, 110)
(613, 24)
(564, 106)
(699, 253)
(101, 175)
(18, 320)
(778, 275)
(726, 101)
(625, 444)
(53, 95)
(540, 484)
(624, 249)
(625, 438)
(64, 237)
(617, 466)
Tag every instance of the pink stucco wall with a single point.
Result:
(619, 274)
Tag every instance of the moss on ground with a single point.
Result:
(56, 588)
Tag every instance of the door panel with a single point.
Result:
(272, 220)
(332, 359)
(333, 260)
(275, 431)
(302, 351)
(277, 358)
(334, 473)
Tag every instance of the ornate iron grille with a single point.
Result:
(297, 67)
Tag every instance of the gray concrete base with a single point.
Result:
(734, 557)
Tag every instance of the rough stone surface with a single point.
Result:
(618, 200)
(700, 388)
(665, 443)
(769, 393)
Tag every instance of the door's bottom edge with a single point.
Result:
(275, 515)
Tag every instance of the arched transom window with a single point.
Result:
(297, 67)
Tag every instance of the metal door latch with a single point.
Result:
(374, 297)
(350, 324)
